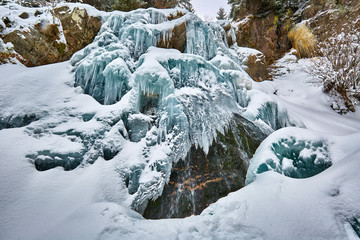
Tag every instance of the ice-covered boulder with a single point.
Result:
(293, 152)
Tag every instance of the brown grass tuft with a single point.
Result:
(303, 40)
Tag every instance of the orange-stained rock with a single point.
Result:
(201, 179)
(79, 28)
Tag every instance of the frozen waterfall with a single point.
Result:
(167, 100)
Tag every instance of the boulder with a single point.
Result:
(37, 46)
(24, 15)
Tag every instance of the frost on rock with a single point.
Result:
(293, 156)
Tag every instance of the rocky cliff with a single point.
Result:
(274, 27)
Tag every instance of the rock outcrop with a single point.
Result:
(202, 179)
(7, 53)
(49, 42)
(79, 28)
(39, 45)
(257, 68)
(263, 27)
(177, 38)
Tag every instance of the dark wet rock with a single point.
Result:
(201, 179)
(45, 160)
(355, 224)
(7, 22)
(109, 153)
(38, 13)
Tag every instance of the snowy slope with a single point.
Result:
(86, 203)
(92, 202)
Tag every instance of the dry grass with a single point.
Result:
(303, 40)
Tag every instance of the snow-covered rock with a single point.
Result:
(48, 34)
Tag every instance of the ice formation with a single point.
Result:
(295, 154)
(159, 102)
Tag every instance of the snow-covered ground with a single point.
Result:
(92, 201)
(86, 203)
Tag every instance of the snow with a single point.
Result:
(298, 94)
(244, 52)
(201, 94)
(288, 163)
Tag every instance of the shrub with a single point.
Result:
(338, 66)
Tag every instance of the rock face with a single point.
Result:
(264, 28)
(80, 29)
(341, 14)
(103, 5)
(201, 178)
(7, 53)
(42, 43)
(38, 46)
(257, 68)
(265, 25)
(177, 39)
